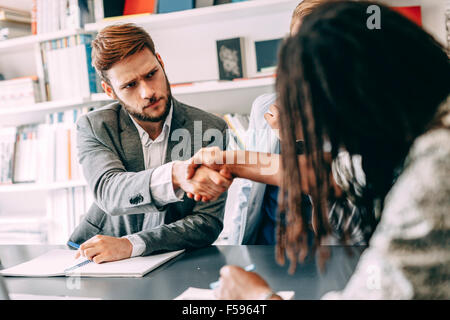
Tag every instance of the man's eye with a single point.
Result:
(130, 85)
(151, 74)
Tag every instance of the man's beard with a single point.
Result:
(144, 117)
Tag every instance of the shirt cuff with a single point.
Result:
(137, 243)
(161, 186)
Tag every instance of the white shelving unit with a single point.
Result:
(25, 187)
(204, 15)
(29, 42)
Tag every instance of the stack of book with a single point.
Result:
(14, 23)
(19, 92)
(69, 80)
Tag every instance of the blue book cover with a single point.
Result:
(86, 40)
(166, 6)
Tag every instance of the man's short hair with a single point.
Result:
(117, 42)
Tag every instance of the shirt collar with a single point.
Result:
(145, 139)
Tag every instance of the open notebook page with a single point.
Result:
(50, 264)
(54, 262)
(132, 267)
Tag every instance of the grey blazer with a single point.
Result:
(110, 152)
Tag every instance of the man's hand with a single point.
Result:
(104, 249)
(273, 119)
(212, 158)
(205, 183)
(237, 284)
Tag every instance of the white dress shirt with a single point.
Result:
(161, 186)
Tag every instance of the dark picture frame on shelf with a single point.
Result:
(230, 56)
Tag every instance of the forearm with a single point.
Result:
(256, 166)
(198, 229)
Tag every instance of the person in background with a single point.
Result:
(253, 206)
(379, 93)
(132, 152)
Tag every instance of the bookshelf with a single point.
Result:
(204, 15)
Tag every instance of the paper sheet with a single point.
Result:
(192, 293)
(50, 264)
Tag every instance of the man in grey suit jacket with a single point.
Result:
(134, 155)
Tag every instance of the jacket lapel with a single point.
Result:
(178, 122)
(129, 139)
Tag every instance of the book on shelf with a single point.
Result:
(12, 29)
(79, 73)
(166, 6)
(203, 3)
(108, 8)
(133, 7)
(238, 125)
(7, 145)
(14, 15)
(267, 55)
(231, 58)
(54, 15)
(26, 154)
(19, 92)
(218, 2)
(414, 13)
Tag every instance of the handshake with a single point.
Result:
(205, 176)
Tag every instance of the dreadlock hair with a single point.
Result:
(345, 86)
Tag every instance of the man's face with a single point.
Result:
(140, 84)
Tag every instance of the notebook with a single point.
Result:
(208, 294)
(57, 262)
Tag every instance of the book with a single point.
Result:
(230, 57)
(139, 6)
(7, 145)
(217, 2)
(267, 55)
(61, 262)
(14, 15)
(203, 3)
(166, 6)
(414, 13)
(19, 92)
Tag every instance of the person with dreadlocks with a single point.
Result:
(379, 93)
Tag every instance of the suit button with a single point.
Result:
(136, 199)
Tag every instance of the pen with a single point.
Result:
(215, 284)
(76, 246)
(73, 245)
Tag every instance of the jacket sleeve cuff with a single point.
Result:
(137, 243)
(161, 186)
